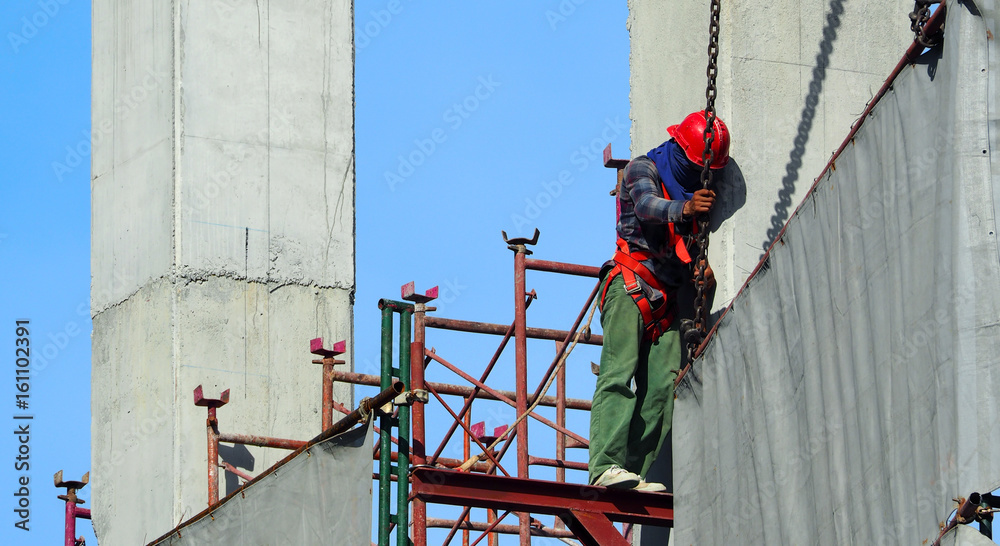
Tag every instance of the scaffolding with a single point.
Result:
(480, 480)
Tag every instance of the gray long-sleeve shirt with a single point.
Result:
(644, 212)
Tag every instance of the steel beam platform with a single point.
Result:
(587, 510)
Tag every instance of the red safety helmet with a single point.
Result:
(690, 134)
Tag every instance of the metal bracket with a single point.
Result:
(618, 164)
(409, 397)
(200, 400)
(339, 348)
(521, 240)
(72, 486)
(409, 293)
(519, 244)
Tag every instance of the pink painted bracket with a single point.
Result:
(316, 348)
(200, 400)
(478, 429)
(409, 293)
(613, 163)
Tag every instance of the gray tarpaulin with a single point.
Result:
(322, 496)
(851, 391)
(966, 536)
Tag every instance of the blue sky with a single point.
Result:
(471, 118)
(45, 249)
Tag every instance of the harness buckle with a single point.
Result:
(634, 289)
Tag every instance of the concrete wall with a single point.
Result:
(222, 238)
(793, 76)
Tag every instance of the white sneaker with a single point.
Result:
(651, 487)
(617, 477)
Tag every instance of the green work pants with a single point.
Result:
(627, 427)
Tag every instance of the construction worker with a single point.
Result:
(658, 200)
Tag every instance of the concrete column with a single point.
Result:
(793, 76)
(222, 238)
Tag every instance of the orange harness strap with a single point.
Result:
(629, 266)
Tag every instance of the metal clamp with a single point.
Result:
(409, 397)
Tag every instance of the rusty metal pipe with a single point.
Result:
(419, 437)
(69, 533)
(561, 421)
(261, 441)
(559, 464)
(236, 471)
(503, 529)
(446, 462)
(966, 512)
(562, 267)
(327, 418)
(213, 456)
(500, 329)
(521, 378)
(459, 390)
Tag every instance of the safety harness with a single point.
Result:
(628, 264)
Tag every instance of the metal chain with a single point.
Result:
(918, 18)
(694, 336)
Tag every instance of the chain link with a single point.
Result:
(696, 334)
(918, 18)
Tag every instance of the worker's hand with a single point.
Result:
(709, 276)
(700, 202)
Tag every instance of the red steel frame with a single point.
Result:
(586, 511)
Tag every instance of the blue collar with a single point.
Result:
(680, 176)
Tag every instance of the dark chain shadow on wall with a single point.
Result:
(781, 208)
